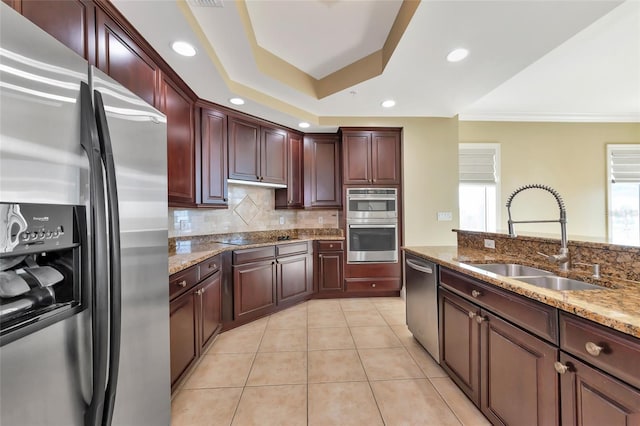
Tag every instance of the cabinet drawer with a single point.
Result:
(294, 248)
(253, 254)
(182, 281)
(330, 245)
(209, 266)
(373, 284)
(619, 353)
(537, 318)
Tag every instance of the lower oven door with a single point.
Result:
(372, 242)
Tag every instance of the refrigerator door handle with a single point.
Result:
(99, 270)
(115, 273)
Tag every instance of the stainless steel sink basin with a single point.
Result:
(559, 283)
(511, 269)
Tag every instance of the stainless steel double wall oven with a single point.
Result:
(372, 225)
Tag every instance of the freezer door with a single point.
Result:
(138, 138)
(45, 377)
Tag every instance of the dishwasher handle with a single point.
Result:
(419, 267)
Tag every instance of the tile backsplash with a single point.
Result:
(251, 208)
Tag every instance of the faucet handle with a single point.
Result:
(595, 267)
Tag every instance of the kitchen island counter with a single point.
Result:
(616, 305)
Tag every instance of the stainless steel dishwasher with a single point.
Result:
(421, 284)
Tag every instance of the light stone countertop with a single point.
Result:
(616, 306)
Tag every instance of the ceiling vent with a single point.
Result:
(206, 3)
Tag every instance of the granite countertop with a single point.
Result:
(617, 305)
(189, 252)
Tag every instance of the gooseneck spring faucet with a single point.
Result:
(562, 259)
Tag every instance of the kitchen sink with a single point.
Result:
(511, 269)
(559, 283)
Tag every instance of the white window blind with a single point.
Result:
(477, 163)
(624, 163)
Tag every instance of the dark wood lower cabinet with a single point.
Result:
(183, 346)
(254, 289)
(329, 271)
(460, 343)
(592, 398)
(295, 278)
(210, 307)
(519, 385)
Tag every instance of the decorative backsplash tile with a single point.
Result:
(250, 209)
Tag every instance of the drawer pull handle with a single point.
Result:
(373, 284)
(330, 245)
(476, 293)
(560, 367)
(593, 349)
(480, 319)
(472, 315)
(182, 283)
(213, 266)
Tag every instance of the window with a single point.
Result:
(479, 175)
(623, 172)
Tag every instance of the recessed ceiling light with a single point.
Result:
(183, 48)
(304, 125)
(388, 103)
(457, 55)
(237, 101)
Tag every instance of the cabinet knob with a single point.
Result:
(182, 283)
(593, 349)
(199, 292)
(225, 200)
(480, 319)
(476, 293)
(319, 256)
(330, 245)
(560, 367)
(472, 315)
(213, 266)
(261, 177)
(373, 284)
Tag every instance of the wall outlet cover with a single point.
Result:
(281, 220)
(490, 244)
(445, 216)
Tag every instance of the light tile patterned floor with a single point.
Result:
(323, 362)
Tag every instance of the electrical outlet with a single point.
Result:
(320, 220)
(185, 225)
(490, 244)
(281, 220)
(445, 216)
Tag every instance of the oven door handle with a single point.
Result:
(372, 226)
(364, 197)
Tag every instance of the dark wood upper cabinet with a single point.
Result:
(322, 182)
(125, 61)
(72, 22)
(214, 157)
(178, 107)
(292, 197)
(257, 153)
(371, 157)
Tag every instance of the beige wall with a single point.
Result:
(569, 157)
(430, 164)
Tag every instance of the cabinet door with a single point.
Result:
(295, 278)
(183, 346)
(273, 155)
(214, 158)
(592, 398)
(459, 343)
(209, 294)
(385, 158)
(519, 383)
(357, 157)
(254, 289)
(244, 150)
(322, 185)
(122, 59)
(178, 108)
(70, 21)
(292, 197)
(329, 271)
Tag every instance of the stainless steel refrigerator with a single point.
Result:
(84, 325)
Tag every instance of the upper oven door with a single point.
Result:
(372, 203)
